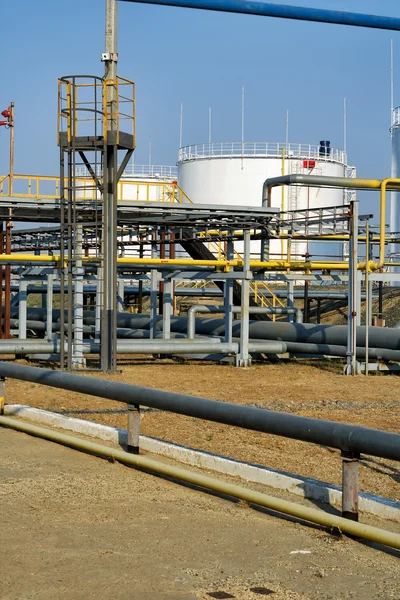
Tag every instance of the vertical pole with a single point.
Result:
(168, 303)
(181, 127)
(7, 286)
(153, 291)
(244, 359)
(318, 311)
(133, 428)
(172, 255)
(228, 298)
(49, 306)
(140, 293)
(1, 281)
(78, 359)
(11, 121)
(306, 305)
(290, 298)
(109, 316)
(121, 294)
(209, 126)
(23, 287)
(98, 306)
(350, 464)
(352, 365)
(367, 299)
(62, 258)
(242, 127)
(380, 301)
(161, 284)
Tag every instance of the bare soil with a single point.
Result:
(75, 527)
(316, 389)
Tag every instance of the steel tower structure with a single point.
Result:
(96, 122)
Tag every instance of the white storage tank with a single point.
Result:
(234, 173)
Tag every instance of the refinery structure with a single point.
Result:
(214, 260)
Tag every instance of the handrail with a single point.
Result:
(262, 149)
(37, 187)
(348, 438)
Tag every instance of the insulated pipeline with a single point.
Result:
(317, 431)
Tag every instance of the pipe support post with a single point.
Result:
(133, 428)
(350, 470)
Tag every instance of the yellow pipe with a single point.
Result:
(382, 215)
(258, 264)
(21, 258)
(299, 511)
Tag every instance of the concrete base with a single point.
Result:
(294, 484)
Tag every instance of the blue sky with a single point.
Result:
(203, 59)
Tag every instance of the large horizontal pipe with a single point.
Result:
(334, 350)
(280, 11)
(379, 337)
(143, 347)
(203, 481)
(253, 310)
(345, 437)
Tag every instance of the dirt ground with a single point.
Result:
(75, 527)
(316, 389)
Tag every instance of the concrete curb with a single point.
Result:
(300, 486)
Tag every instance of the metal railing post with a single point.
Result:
(133, 428)
(350, 468)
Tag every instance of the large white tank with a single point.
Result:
(234, 173)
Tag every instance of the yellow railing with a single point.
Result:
(85, 109)
(45, 187)
(258, 288)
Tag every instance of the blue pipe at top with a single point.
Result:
(281, 11)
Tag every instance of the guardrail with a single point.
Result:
(351, 440)
(42, 187)
(262, 149)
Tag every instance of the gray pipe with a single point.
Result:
(145, 347)
(203, 308)
(379, 337)
(334, 350)
(348, 438)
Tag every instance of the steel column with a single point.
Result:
(22, 309)
(154, 290)
(49, 306)
(244, 359)
(168, 303)
(109, 225)
(352, 365)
